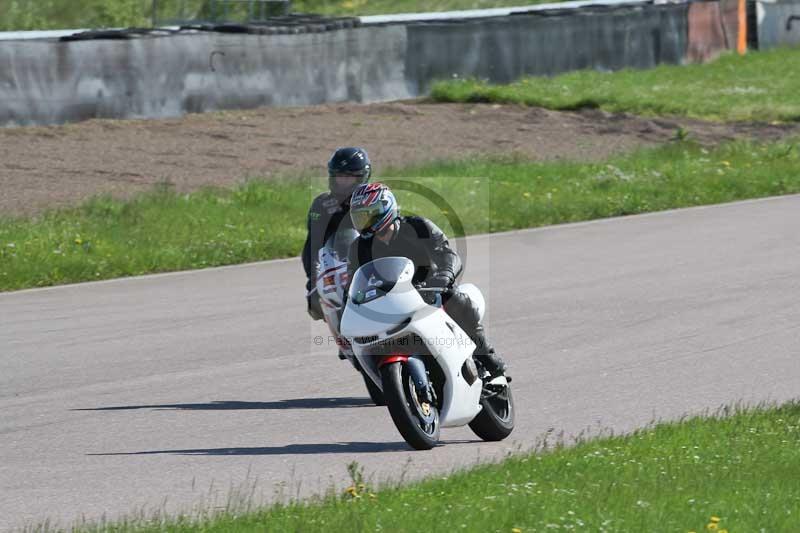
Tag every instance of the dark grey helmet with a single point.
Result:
(348, 161)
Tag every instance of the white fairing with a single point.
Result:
(384, 316)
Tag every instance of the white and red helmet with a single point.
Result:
(372, 208)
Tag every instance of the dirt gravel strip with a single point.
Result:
(44, 167)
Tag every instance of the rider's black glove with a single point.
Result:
(314, 307)
(442, 280)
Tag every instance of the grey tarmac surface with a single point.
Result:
(167, 392)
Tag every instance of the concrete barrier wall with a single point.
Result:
(778, 23)
(49, 82)
(503, 49)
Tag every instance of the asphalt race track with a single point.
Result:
(169, 391)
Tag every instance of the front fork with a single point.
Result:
(416, 369)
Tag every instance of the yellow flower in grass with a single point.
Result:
(711, 526)
(714, 519)
(516, 530)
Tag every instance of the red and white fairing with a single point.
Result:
(332, 281)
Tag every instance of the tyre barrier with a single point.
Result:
(294, 24)
(127, 33)
(273, 29)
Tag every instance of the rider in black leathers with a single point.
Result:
(384, 233)
(347, 169)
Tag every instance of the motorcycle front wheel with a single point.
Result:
(375, 394)
(417, 422)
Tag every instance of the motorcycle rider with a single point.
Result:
(384, 233)
(348, 168)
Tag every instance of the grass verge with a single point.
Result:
(735, 471)
(71, 14)
(383, 7)
(760, 86)
(166, 231)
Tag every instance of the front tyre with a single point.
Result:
(496, 419)
(375, 394)
(418, 422)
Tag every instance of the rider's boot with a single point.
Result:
(466, 314)
(342, 356)
(484, 352)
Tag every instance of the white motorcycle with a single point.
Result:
(331, 284)
(421, 360)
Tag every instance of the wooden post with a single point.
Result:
(741, 45)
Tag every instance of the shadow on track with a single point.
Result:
(297, 403)
(289, 449)
(294, 449)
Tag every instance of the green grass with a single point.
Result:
(735, 471)
(18, 15)
(381, 7)
(71, 14)
(165, 231)
(760, 86)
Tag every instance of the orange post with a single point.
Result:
(741, 44)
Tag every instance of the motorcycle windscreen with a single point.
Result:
(339, 243)
(377, 278)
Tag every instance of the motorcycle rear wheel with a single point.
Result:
(420, 430)
(496, 420)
